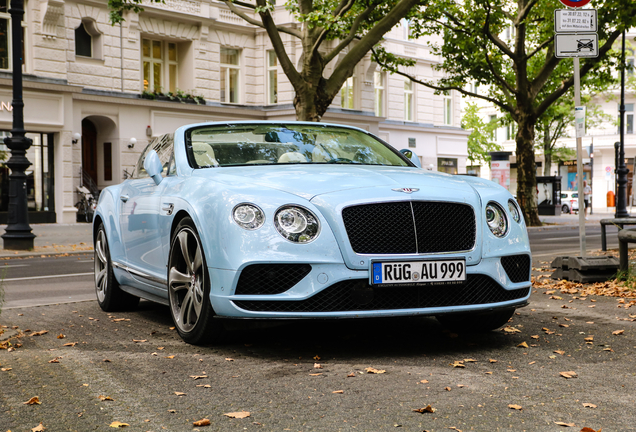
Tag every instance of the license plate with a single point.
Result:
(439, 272)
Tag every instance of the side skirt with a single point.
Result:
(144, 295)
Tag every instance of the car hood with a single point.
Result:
(311, 181)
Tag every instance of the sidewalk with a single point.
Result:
(53, 239)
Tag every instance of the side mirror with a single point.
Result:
(410, 154)
(153, 166)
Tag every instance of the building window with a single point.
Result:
(448, 109)
(5, 37)
(347, 93)
(83, 42)
(379, 88)
(159, 65)
(630, 60)
(492, 120)
(447, 165)
(408, 99)
(272, 77)
(629, 118)
(230, 75)
(510, 131)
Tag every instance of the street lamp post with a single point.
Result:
(18, 235)
(621, 169)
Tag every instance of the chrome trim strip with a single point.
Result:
(139, 273)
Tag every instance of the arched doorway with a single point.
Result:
(89, 152)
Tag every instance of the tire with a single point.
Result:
(189, 288)
(565, 209)
(476, 322)
(110, 297)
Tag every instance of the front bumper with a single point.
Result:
(335, 291)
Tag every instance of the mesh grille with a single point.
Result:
(270, 278)
(381, 228)
(346, 296)
(443, 227)
(390, 228)
(517, 267)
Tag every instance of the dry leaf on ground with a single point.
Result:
(105, 398)
(38, 428)
(565, 424)
(179, 393)
(426, 409)
(568, 374)
(515, 407)
(238, 415)
(118, 424)
(522, 345)
(589, 405)
(338, 391)
(202, 422)
(196, 377)
(618, 332)
(375, 371)
(458, 364)
(33, 401)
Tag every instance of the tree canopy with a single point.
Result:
(508, 48)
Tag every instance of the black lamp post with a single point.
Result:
(621, 169)
(18, 233)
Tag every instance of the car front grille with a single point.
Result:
(517, 267)
(358, 295)
(410, 227)
(270, 278)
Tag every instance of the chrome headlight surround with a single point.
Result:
(496, 219)
(514, 211)
(296, 224)
(248, 216)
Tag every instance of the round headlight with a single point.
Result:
(248, 216)
(514, 211)
(496, 220)
(297, 224)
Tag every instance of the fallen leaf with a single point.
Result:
(447, 388)
(139, 340)
(589, 339)
(351, 375)
(426, 409)
(534, 337)
(589, 405)
(179, 393)
(55, 360)
(522, 345)
(169, 357)
(587, 429)
(565, 424)
(317, 366)
(424, 381)
(33, 401)
(338, 391)
(458, 364)
(320, 373)
(509, 329)
(569, 374)
(202, 422)
(375, 371)
(239, 414)
(515, 407)
(39, 333)
(6, 369)
(559, 352)
(106, 361)
(492, 361)
(105, 398)
(117, 424)
(61, 336)
(196, 377)
(38, 428)
(469, 360)
(70, 344)
(618, 332)
(229, 359)
(204, 385)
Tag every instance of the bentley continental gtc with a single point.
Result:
(295, 220)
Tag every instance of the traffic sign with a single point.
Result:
(575, 3)
(575, 45)
(572, 20)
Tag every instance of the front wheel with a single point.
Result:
(110, 296)
(475, 322)
(565, 209)
(189, 287)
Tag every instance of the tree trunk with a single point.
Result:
(547, 152)
(526, 172)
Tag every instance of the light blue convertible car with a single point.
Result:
(279, 220)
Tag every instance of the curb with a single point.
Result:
(31, 254)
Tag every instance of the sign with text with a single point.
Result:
(574, 3)
(579, 121)
(571, 20)
(575, 45)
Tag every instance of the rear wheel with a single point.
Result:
(189, 288)
(110, 296)
(476, 322)
(565, 209)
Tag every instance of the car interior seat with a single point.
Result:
(204, 154)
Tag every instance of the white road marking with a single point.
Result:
(14, 265)
(48, 277)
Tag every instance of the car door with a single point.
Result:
(140, 217)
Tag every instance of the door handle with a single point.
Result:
(124, 198)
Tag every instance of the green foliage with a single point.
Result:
(178, 96)
(479, 140)
(118, 7)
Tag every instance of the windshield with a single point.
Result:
(266, 144)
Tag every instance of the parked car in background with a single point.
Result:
(294, 220)
(569, 201)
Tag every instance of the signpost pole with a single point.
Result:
(579, 158)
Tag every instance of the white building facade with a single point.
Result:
(87, 86)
